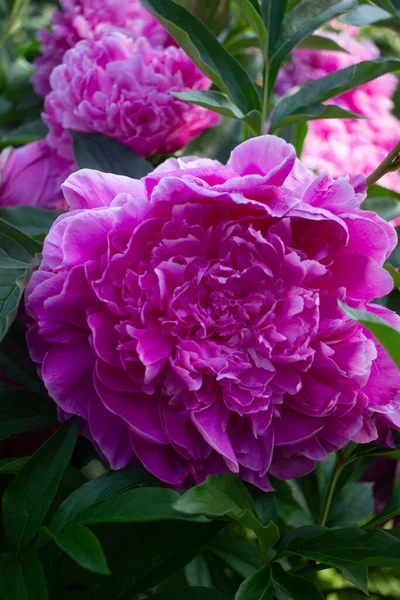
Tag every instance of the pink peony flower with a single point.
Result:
(121, 88)
(191, 320)
(347, 145)
(87, 20)
(33, 174)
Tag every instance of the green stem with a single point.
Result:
(332, 488)
(389, 164)
(264, 110)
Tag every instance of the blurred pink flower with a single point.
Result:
(33, 174)
(122, 88)
(87, 20)
(190, 319)
(351, 146)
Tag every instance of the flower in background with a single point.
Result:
(33, 174)
(122, 88)
(383, 472)
(87, 20)
(190, 319)
(346, 145)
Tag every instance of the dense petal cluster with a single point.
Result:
(191, 319)
(87, 20)
(347, 145)
(33, 175)
(122, 88)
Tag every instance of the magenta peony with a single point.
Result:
(347, 145)
(33, 175)
(191, 320)
(88, 19)
(121, 88)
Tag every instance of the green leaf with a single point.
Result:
(141, 556)
(23, 410)
(292, 587)
(192, 593)
(391, 510)
(206, 52)
(301, 21)
(28, 497)
(258, 586)
(319, 42)
(386, 335)
(215, 17)
(254, 19)
(95, 151)
(15, 361)
(294, 134)
(366, 15)
(31, 220)
(225, 495)
(394, 273)
(12, 466)
(273, 13)
(313, 112)
(292, 506)
(82, 546)
(221, 104)
(241, 555)
(143, 504)
(343, 548)
(353, 505)
(358, 576)
(331, 85)
(95, 491)
(16, 252)
(382, 201)
(23, 580)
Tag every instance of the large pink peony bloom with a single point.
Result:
(190, 319)
(33, 174)
(347, 145)
(121, 88)
(87, 20)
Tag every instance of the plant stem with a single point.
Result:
(332, 488)
(390, 163)
(264, 110)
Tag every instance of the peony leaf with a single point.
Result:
(243, 556)
(29, 496)
(386, 335)
(358, 576)
(258, 586)
(225, 495)
(293, 587)
(82, 546)
(137, 505)
(254, 19)
(215, 17)
(304, 18)
(192, 593)
(23, 410)
(17, 250)
(391, 509)
(142, 555)
(23, 580)
(313, 112)
(342, 548)
(95, 151)
(273, 14)
(221, 104)
(94, 492)
(318, 42)
(31, 220)
(382, 201)
(206, 52)
(366, 15)
(332, 85)
(394, 273)
(353, 505)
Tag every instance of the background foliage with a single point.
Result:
(70, 529)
